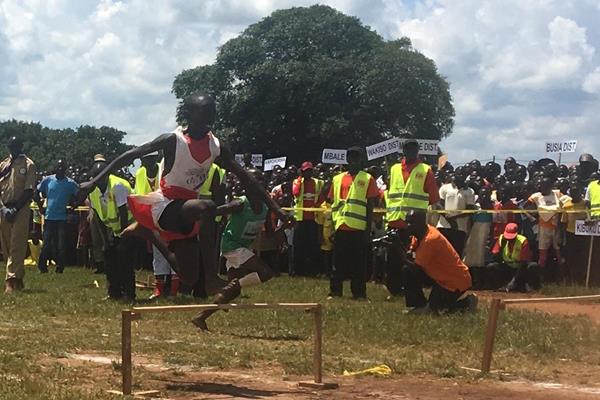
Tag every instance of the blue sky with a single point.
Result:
(521, 72)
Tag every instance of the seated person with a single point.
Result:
(438, 265)
(513, 269)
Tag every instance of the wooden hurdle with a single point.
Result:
(500, 304)
(135, 314)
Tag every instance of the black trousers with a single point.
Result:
(54, 245)
(576, 255)
(457, 239)
(120, 266)
(394, 265)
(306, 248)
(502, 274)
(350, 262)
(440, 298)
(326, 262)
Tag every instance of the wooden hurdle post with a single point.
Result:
(318, 339)
(490, 335)
(500, 304)
(315, 309)
(126, 367)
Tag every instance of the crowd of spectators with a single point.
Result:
(542, 201)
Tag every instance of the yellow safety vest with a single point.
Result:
(205, 192)
(351, 211)
(513, 259)
(142, 186)
(594, 194)
(109, 215)
(406, 196)
(299, 201)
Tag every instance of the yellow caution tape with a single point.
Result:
(383, 211)
(379, 370)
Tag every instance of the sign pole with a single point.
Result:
(589, 266)
(559, 158)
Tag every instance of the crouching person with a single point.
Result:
(438, 265)
(513, 270)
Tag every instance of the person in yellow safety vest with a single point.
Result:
(212, 188)
(512, 269)
(109, 202)
(592, 198)
(209, 236)
(147, 179)
(412, 186)
(353, 195)
(306, 190)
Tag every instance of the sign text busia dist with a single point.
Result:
(567, 146)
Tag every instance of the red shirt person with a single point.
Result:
(306, 191)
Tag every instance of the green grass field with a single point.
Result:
(64, 314)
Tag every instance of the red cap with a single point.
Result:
(511, 231)
(306, 165)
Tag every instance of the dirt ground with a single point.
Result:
(210, 384)
(230, 385)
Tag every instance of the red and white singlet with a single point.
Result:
(193, 159)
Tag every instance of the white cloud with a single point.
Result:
(520, 71)
(591, 83)
(105, 10)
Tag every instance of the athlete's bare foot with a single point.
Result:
(200, 322)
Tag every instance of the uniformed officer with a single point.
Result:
(17, 183)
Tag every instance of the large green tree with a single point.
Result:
(77, 147)
(307, 78)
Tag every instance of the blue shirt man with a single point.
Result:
(59, 191)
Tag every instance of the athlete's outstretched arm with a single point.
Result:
(227, 161)
(160, 143)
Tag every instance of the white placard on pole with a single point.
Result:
(272, 162)
(426, 147)
(257, 159)
(334, 156)
(587, 229)
(565, 146)
(382, 149)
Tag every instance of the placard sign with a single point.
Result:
(257, 159)
(334, 156)
(382, 149)
(567, 146)
(426, 147)
(272, 162)
(589, 229)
